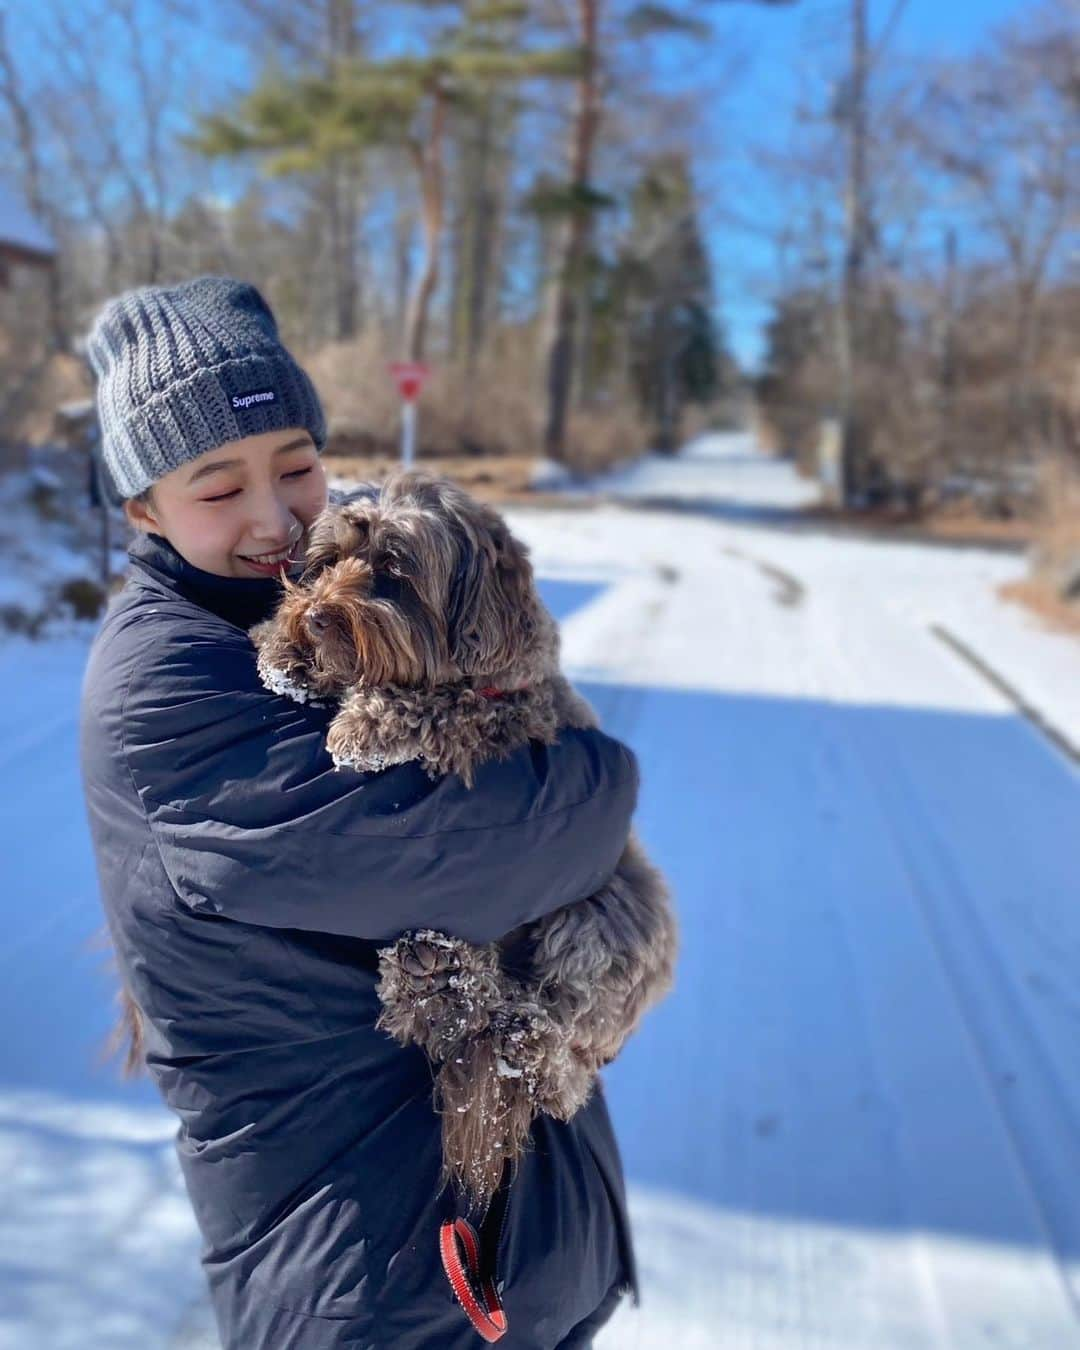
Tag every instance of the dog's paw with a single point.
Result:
(353, 742)
(428, 961)
(370, 761)
(525, 1041)
(437, 989)
(276, 680)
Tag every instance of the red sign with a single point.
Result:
(410, 377)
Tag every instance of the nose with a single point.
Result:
(274, 522)
(317, 620)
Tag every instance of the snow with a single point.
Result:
(724, 511)
(748, 482)
(50, 543)
(855, 1122)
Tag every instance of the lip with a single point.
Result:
(274, 568)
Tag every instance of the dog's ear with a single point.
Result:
(491, 605)
(491, 609)
(341, 531)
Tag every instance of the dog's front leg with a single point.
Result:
(368, 733)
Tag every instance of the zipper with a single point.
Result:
(497, 1259)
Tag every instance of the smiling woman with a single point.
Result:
(248, 882)
(241, 510)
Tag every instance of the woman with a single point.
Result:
(247, 884)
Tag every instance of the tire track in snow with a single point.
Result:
(791, 590)
(1027, 710)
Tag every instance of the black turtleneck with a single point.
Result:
(242, 601)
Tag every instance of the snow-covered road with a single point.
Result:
(856, 1122)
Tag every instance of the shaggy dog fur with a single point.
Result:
(417, 612)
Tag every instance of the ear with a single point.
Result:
(141, 516)
(491, 620)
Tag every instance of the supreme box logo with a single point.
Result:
(256, 396)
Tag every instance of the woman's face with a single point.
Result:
(241, 510)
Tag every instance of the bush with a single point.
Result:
(16, 619)
(84, 597)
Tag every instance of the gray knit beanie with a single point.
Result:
(185, 368)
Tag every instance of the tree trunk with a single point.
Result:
(562, 306)
(343, 185)
(853, 451)
(484, 221)
(429, 162)
(403, 239)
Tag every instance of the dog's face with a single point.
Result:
(414, 584)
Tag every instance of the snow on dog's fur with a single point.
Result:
(418, 611)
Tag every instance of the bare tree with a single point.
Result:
(1004, 130)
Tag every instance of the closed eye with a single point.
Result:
(224, 496)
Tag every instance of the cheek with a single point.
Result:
(211, 532)
(317, 497)
(310, 496)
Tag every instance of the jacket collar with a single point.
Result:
(242, 601)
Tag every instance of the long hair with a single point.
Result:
(127, 1035)
(129, 1028)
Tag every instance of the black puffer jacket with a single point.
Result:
(247, 885)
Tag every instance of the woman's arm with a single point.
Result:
(254, 823)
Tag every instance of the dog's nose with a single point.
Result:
(317, 620)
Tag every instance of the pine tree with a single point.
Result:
(676, 353)
(402, 103)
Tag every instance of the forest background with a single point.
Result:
(605, 225)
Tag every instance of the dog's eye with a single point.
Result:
(388, 585)
(390, 563)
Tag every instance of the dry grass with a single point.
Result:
(961, 523)
(30, 395)
(1038, 596)
(489, 414)
(1053, 589)
(484, 432)
(491, 478)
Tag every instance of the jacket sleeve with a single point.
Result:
(254, 823)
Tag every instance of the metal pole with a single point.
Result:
(408, 432)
